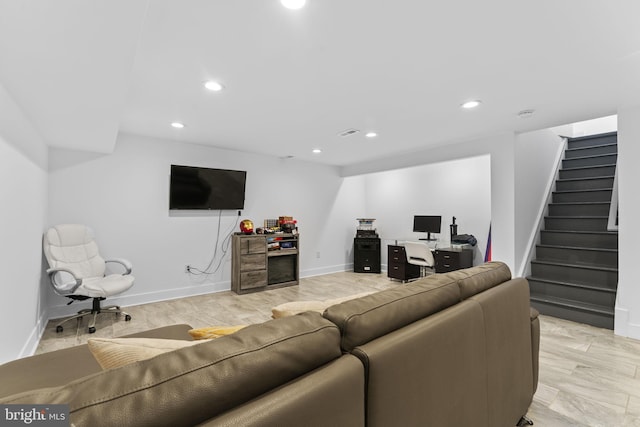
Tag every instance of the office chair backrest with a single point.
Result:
(72, 246)
(419, 252)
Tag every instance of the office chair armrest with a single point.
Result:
(52, 272)
(125, 263)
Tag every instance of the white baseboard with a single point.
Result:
(58, 311)
(311, 272)
(30, 346)
(622, 325)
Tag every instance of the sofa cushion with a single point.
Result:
(191, 385)
(116, 352)
(477, 279)
(332, 395)
(429, 373)
(364, 319)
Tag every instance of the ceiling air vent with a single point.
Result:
(348, 132)
(525, 114)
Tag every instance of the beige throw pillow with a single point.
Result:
(115, 352)
(296, 307)
(210, 332)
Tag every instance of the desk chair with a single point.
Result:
(77, 271)
(420, 254)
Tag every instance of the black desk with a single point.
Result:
(450, 259)
(397, 266)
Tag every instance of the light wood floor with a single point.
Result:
(588, 376)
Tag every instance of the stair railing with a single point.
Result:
(612, 223)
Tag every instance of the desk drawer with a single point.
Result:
(452, 260)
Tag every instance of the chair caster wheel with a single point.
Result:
(92, 330)
(59, 329)
(127, 318)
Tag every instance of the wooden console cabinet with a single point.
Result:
(397, 266)
(450, 259)
(256, 267)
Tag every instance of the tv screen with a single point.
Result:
(205, 188)
(427, 223)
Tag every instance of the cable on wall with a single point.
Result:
(224, 248)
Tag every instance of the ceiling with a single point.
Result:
(84, 71)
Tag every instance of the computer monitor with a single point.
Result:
(427, 224)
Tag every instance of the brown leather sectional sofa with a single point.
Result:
(451, 349)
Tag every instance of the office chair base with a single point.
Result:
(95, 310)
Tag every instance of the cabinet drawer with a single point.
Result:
(253, 245)
(452, 260)
(449, 260)
(253, 279)
(396, 254)
(447, 267)
(253, 262)
(396, 268)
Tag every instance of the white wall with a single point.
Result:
(588, 127)
(627, 315)
(23, 189)
(460, 188)
(537, 156)
(124, 198)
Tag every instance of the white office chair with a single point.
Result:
(420, 254)
(77, 271)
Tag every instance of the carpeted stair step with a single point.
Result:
(584, 183)
(593, 195)
(593, 150)
(576, 311)
(593, 140)
(576, 223)
(576, 162)
(595, 239)
(578, 255)
(579, 209)
(587, 171)
(605, 277)
(553, 289)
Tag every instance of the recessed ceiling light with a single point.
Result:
(177, 125)
(471, 104)
(213, 86)
(371, 134)
(293, 4)
(316, 151)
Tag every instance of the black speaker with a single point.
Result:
(366, 255)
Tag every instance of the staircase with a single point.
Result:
(575, 273)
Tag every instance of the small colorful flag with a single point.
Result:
(487, 253)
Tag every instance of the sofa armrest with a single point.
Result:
(59, 367)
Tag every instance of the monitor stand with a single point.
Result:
(428, 239)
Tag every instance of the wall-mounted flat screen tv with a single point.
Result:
(206, 188)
